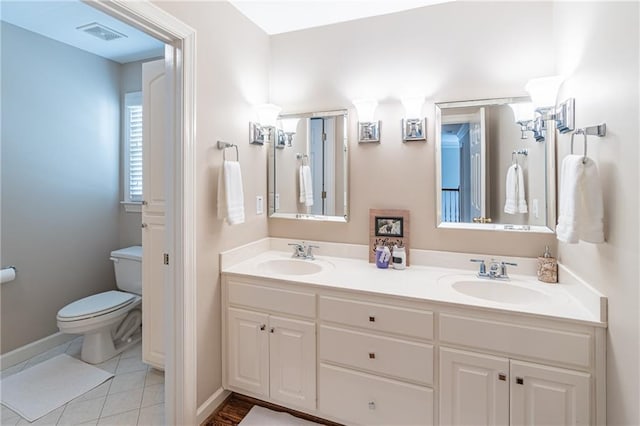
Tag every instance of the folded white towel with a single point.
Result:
(581, 205)
(230, 193)
(515, 199)
(306, 186)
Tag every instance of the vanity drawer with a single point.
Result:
(360, 398)
(272, 299)
(395, 357)
(373, 316)
(552, 345)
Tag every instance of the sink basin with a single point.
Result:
(499, 291)
(291, 266)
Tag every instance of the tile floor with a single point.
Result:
(135, 396)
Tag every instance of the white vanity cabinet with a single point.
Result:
(269, 353)
(380, 359)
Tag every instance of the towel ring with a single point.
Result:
(224, 145)
(584, 135)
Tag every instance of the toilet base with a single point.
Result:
(99, 347)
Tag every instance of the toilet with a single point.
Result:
(110, 321)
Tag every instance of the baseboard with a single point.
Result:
(32, 349)
(210, 405)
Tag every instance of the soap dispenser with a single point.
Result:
(547, 267)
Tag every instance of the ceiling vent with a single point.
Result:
(100, 31)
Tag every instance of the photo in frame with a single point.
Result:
(388, 228)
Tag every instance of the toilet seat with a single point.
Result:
(96, 305)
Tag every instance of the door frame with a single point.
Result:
(180, 284)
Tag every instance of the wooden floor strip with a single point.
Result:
(236, 407)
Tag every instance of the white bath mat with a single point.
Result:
(260, 416)
(38, 390)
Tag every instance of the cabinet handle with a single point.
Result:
(372, 355)
(262, 327)
(372, 319)
(520, 380)
(271, 330)
(372, 405)
(502, 376)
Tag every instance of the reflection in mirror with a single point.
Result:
(308, 167)
(488, 176)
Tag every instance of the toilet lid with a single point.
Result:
(98, 304)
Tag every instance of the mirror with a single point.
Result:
(307, 168)
(478, 152)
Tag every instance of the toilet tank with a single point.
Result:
(127, 263)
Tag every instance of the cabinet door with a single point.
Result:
(153, 278)
(474, 388)
(154, 119)
(292, 354)
(542, 395)
(248, 351)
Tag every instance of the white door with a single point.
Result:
(248, 351)
(154, 244)
(474, 388)
(292, 354)
(548, 396)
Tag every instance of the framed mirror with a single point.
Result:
(489, 174)
(308, 167)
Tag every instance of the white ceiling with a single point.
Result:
(276, 17)
(58, 20)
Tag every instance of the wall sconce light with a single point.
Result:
(264, 130)
(523, 114)
(368, 129)
(544, 92)
(413, 124)
(289, 127)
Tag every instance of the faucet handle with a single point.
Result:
(503, 267)
(309, 253)
(509, 263)
(483, 267)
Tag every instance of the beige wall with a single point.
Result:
(231, 76)
(597, 48)
(447, 52)
(60, 162)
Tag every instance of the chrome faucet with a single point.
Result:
(303, 251)
(497, 269)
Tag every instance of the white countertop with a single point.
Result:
(432, 284)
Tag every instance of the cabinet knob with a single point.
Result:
(520, 380)
(372, 355)
(372, 405)
(271, 330)
(262, 327)
(372, 318)
(144, 225)
(144, 203)
(502, 376)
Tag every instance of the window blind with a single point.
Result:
(133, 147)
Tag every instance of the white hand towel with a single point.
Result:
(581, 205)
(520, 198)
(591, 219)
(570, 194)
(515, 200)
(510, 205)
(306, 186)
(230, 193)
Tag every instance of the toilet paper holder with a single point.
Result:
(8, 274)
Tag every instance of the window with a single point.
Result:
(133, 147)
